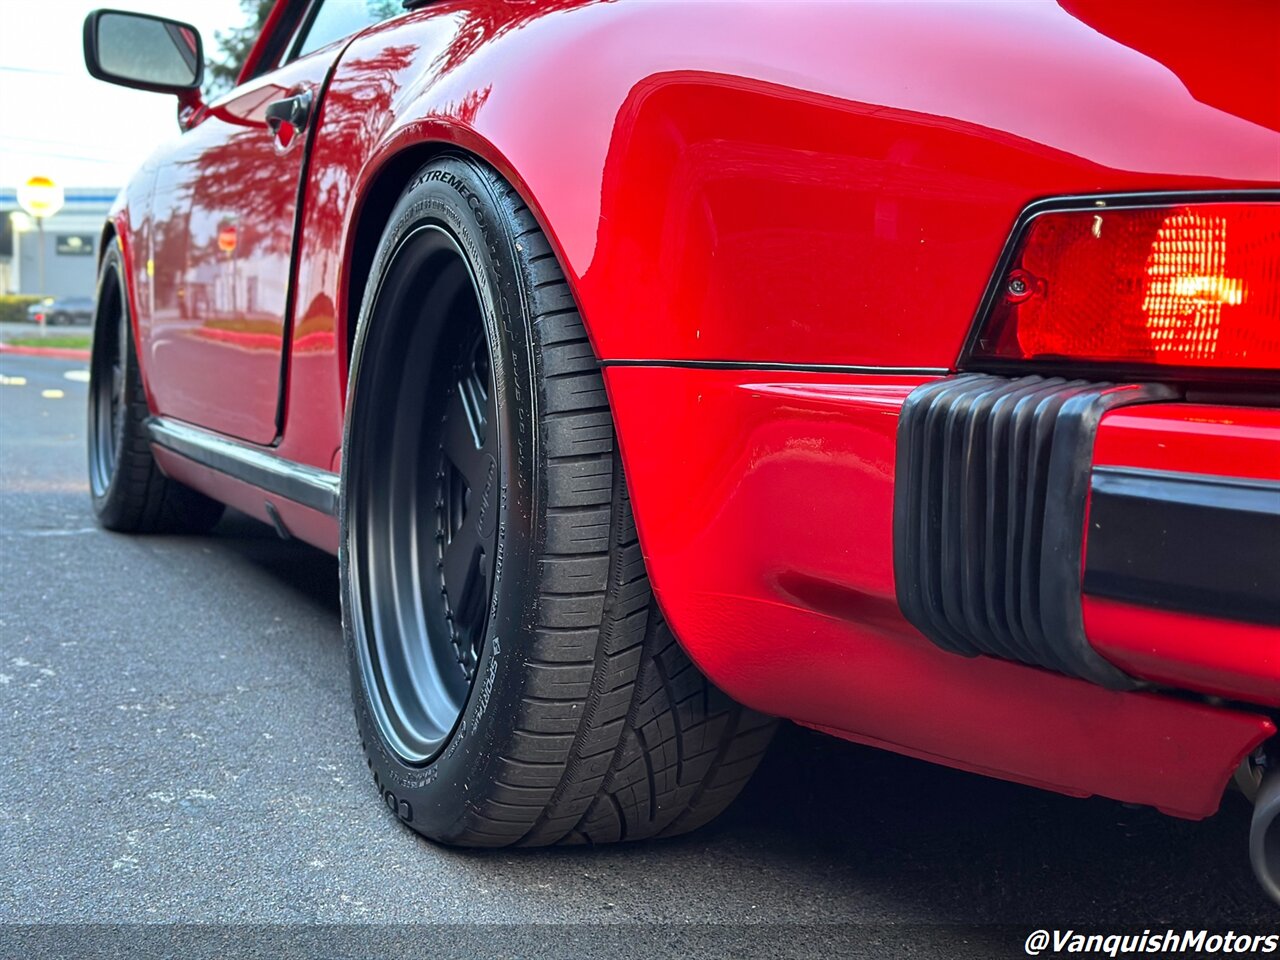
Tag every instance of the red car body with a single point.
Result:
(812, 199)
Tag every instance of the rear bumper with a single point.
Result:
(1181, 583)
(764, 500)
(1007, 529)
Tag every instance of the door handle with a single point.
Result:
(293, 112)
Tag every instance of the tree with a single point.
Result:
(231, 47)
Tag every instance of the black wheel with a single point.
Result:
(59, 320)
(513, 680)
(129, 492)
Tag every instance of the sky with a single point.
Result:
(56, 120)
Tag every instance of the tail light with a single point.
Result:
(1187, 285)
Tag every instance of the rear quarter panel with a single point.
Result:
(792, 182)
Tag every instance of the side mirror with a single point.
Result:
(143, 52)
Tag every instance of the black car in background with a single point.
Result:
(59, 311)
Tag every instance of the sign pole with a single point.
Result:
(40, 197)
(15, 278)
(40, 270)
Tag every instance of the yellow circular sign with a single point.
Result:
(40, 197)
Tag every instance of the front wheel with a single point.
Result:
(514, 682)
(129, 492)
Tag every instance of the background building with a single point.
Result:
(70, 244)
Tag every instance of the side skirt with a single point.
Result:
(305, 485)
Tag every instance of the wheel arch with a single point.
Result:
(373, 207)
(117, 230)
(108, 235)
(387, 176)
(435, 87)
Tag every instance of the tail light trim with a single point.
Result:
(970, 355)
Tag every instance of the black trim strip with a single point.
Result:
(278, 43)
(792, 367)
(305, 485)
(291, 290)
(1184, 541)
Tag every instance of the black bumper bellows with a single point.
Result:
(992, 484)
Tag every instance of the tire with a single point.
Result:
(59, 320)
(564, 711)
(129, 493)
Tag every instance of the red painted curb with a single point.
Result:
(61, 353)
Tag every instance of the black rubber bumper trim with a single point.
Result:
(305, 485)
(991, 487)
(1187, 542)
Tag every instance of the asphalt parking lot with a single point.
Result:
(176, 744)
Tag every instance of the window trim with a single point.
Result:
(276, 42)
(301, 29)
(306, 22)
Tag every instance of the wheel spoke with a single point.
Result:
(460, 559)
(460, 446)
(473, 392)
(466, 588)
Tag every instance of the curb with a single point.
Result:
(61, 353)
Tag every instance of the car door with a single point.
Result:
(224, 209)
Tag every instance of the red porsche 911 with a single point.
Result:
(655, 370)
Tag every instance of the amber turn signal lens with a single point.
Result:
(1194, 285)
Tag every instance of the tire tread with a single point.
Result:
(620, 736)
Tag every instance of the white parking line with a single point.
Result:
(12, 381)
(52, 394)
(48, 533)
(78, 376)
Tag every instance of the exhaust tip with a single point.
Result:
(1264, 835)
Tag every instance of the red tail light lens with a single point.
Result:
(1194, 285)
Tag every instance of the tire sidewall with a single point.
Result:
(456, 195)
(110, 504)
